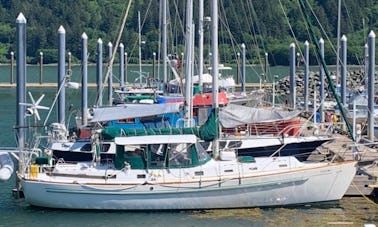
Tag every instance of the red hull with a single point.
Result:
(206, 99)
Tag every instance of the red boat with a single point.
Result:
(206, 99)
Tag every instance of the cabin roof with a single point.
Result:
(126, 111)
(155, 139)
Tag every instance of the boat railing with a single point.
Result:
(289, 127)
(325, 128)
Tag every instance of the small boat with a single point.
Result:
(165, 172)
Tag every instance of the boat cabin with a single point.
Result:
(159, 152)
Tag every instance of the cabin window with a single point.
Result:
(234, 144)
(133, 155)
(105, 147)
(222, 144)
(157, 155)
(203, 156)
(178, 155)
(86, 147)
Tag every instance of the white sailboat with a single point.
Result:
(174, 172)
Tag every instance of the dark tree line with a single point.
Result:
(264, 26)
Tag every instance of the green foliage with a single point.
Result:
(262, 25)
(49, 56)
(3, 52)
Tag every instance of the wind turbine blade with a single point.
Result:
(42, 107)
(37, 114)
(40, 99)
(25, 104)
(31, 97)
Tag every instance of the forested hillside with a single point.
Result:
(263, 25)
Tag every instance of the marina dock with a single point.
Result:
(366, 178)
(365, 183)
(252, 86)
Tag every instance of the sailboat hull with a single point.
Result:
(323, 183)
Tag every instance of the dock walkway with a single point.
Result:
(366, 179)
(52, 85)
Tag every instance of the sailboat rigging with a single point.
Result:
(324, 65)
(110, 63)
(174, 172)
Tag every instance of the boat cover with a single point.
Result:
(207, 132)
(234, 115)
(126, 111)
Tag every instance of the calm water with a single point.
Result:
(349, 211)
(49, 72)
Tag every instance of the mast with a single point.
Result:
(188, 61)
(165, 73)
(338, 41)
(140, 49)
(215, 71)
(200, 44)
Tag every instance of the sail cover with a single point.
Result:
(207, 132)
(235, 115)
(126, 111)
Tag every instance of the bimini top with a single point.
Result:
(155, 139)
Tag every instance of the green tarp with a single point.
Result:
(208, 131)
